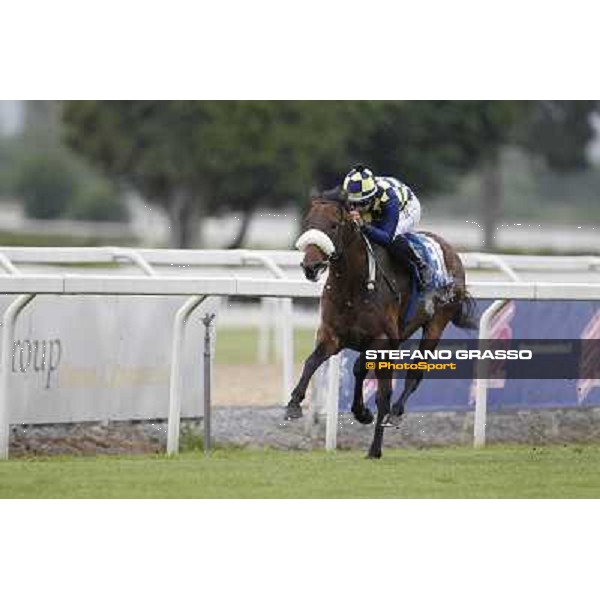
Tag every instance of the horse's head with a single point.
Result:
(321, 240)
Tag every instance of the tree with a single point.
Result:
(196, 158)
(556, 131)
(431, 144)
(264, 153)
(51, 180)
(199, 158)
(46, 183)
(559, 131)
(141, 144)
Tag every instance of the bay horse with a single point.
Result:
(359, 315)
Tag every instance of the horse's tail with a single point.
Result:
(465, 315)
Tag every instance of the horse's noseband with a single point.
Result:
(312, 272)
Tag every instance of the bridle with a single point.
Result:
(373, 263)
(323, 241)
(328, 244)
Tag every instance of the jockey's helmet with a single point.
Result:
(360, 186)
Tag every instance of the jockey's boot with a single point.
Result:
(424, 272)
(402, 251)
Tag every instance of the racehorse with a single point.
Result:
(361, 314)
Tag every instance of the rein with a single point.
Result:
(373, 260)
(373, 265)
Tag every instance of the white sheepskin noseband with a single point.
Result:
(317, 238)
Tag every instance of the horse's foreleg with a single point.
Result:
(319, 355)
(384, 392)
(359, 410)
(429, 341)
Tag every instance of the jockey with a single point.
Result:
(386, 209)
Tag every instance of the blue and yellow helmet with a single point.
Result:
(360, 186)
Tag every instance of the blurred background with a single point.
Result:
(499, 176)
(512, 176)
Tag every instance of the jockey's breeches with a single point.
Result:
(409, 217)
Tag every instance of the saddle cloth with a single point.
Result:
(431, 252)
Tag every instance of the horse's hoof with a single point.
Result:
(373, 456)
(293, 411)
(392, 420)
(365, 417)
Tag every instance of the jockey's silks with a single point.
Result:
(381, 220)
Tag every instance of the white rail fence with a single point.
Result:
(278, 285)
(275, 319)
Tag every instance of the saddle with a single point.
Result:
(439, 288)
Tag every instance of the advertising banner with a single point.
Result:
(578, 322)
(97, 358)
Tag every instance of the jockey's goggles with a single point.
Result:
(364, 203)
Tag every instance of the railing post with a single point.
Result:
(207, 320)
(332, 402)
(8, 332)
(481, 382)
(264, 331)
(315, 406)
(287, 348)
(284, 321)
(175, 383)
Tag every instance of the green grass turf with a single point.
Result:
(460, 472)
(239, 345)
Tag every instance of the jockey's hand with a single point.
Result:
(356, 217)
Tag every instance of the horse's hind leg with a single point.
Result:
(319, 355)
(359, 410)
(429, 341)
(384, 392)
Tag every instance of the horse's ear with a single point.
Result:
(336, 194)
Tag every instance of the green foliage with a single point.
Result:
(96, 200)
(56, 184)
(238, 153)
(236, 150)
(136, 141)
(559, 131)
(191, 437)
(47, 183)
(6, 167)
(264, 151)
(211, 157)
(52, 180)
(430, 144)
(194, 158)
